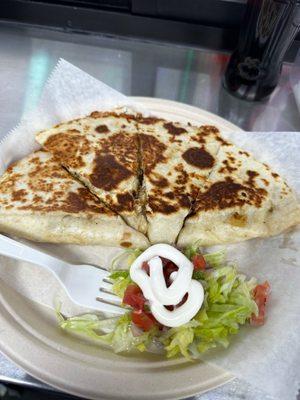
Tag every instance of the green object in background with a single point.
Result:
(8, 394)
(38, 71)
(186, 75)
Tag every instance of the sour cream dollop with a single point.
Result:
(155, 290)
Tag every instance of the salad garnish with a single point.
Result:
(231, 300)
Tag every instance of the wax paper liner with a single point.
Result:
(266, 357)
(69, 93)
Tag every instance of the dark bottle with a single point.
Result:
(268, 29)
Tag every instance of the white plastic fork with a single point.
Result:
(81, 282)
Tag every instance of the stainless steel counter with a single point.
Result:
(192, 76)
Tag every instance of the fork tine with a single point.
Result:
(106, 271)
(106, 286)
(109, 301)
(108, 296)
(111, 306)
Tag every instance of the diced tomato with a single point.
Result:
(260, 294)
(169, 267)
(134, 297)
(184, 299)
(146, 267)
(143, 320)
(199, 262)
(165, 261)
(170, 308)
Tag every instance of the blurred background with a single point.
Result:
(163, 48)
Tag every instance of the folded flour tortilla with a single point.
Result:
(241, 199)
(41, 201)
(102, 151)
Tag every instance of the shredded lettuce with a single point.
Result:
(216, 259)
(121, 279)
(119, 274)
(228, 304)
(125, 259)
(115, 332)
(88, 325)
(122, 338)
(192, 250)
(178, 340)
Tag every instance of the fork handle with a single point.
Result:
(19, 251)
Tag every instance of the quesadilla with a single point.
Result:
(175, 182)
(176, 159)
(242, 199)
(39, 200)
(102, 151)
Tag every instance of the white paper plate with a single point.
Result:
(29, 335)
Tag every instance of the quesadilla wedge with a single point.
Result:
(41, 201)
(242, 199)
(176, 159)
(102, 151)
